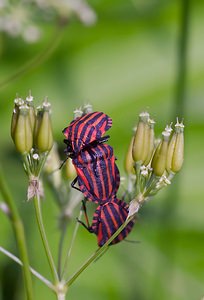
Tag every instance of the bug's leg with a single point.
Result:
(73, 184)
(62, 164)
(87, 225)
(103, 139)
(85, 212)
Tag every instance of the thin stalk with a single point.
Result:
(44, 238)
(137, 171)
(42, 163)
(182, 59)
(71, 245)
(20, 235)
(97, 253)
(33, 271)
(61, 242)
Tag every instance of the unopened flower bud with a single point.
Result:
(29, 102)
(159, 159)
(175, 154)
(23, 136)
(129, 162)
(43, 129)
(17, 102)
(52, 167)
(139, 151)
(150, 142)
(70, 170)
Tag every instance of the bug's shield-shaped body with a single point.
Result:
(108, 218)
(85, 130)
(97, 174)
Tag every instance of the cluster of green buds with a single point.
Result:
(31, 131)
(150, 163)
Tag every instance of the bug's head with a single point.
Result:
(69, 149)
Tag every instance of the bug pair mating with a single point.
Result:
(97, 174)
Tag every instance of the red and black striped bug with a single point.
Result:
(107, 219)
(84, 130)
(97, 174)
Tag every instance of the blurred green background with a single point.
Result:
(125, 63)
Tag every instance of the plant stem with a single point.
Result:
(34, 272)
(182, 59)
(71, 245)
(60, 252)
(44, 238)
(97, 253)
(20, 235)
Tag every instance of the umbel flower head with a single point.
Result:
(31, 131)
(155, 162)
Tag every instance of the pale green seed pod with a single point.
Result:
(70, 171)
(175, 155)
(23, 135)
(32, 115)
(170, 153)
(151, 141)
(159, 159)
(129, 162)
(43, 129)
(18, 102)
(140, 138)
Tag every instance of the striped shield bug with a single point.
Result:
(97, 174)
(84, 130)
(107, 219)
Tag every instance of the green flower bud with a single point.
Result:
(139, 151)
(129, 162)
(150, 142)
(43, 129)
(18, 102)
(23, 136)
(70, 171)
(159, 159)
(29, 102)
(51, 167)
(175, 154)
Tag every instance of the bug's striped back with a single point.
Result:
(86, 129)
(107, 218)
(97, 174)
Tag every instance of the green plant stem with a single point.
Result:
(60, 250)
(34, 272)
(44, 238)
(71, 245)
(182, 59)
(20, 235)
(97, 253)
(137, 171)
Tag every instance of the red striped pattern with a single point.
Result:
(97, 174)
(107, 219)
(86, 129)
